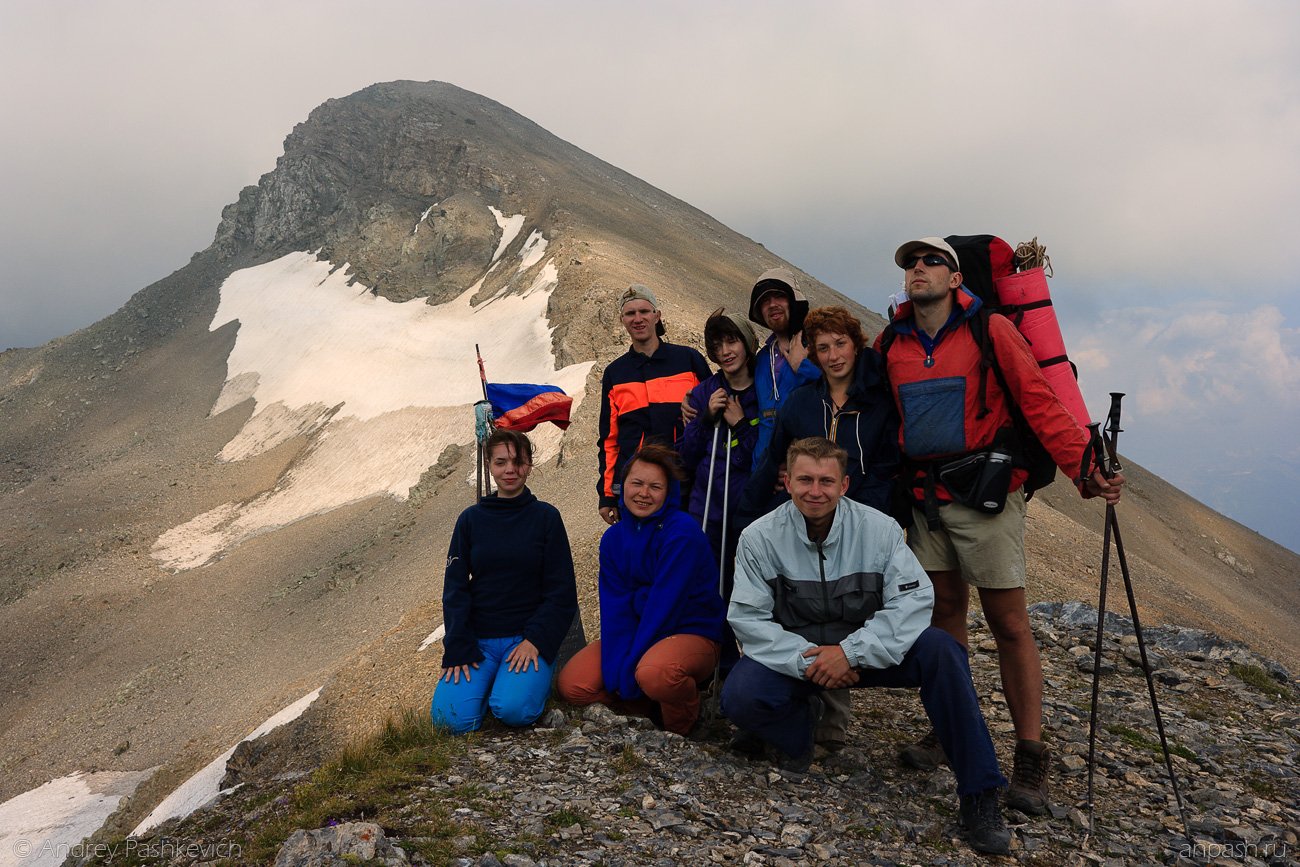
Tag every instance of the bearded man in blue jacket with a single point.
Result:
(827, 596)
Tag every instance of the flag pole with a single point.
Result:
(482, 419)
(482, 373)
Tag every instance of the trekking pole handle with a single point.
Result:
(1113, 431)
(1094, 456)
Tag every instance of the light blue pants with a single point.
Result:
(517, 698)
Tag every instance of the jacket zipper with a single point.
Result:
(826, 597)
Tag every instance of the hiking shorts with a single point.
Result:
(988, 549)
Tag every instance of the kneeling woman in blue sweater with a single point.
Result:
(508, 598)
(660, 612)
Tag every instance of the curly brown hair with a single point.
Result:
(831, 320)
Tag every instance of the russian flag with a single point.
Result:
(517, 406)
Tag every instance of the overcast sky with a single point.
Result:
(1151, 146)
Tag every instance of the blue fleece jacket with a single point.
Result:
(509, 572)
(658, 577)
(696, 447)
(774, 381)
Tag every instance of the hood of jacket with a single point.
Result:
(672, 503)
(781, 280)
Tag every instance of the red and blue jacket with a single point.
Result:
(936, 384)
(641, 399)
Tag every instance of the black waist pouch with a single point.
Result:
(979, 481)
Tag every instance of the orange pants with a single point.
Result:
(669, 673)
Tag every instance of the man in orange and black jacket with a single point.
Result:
(641, 393)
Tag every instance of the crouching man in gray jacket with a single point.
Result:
(828, 595)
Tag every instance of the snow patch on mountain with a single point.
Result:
(510, 227)
(380, 387)
(547, 279)
(42, 827)
(533, 251)
(423, 217)
(434, 636)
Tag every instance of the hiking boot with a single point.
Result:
(699, 730)
(924, 755)
(986, 830)
(827, 749)
(794, 764)
(1028, 790)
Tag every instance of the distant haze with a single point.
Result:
(1151, 146)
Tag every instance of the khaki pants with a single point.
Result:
(833, 730)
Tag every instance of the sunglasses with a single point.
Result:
(931, 260)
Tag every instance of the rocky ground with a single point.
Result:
(592, 787)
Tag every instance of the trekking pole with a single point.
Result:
(1112, 445)
(726, 495)
(1094, 447)
(483, 426)
(722, 562)
(704, 526)
(1110, 466)
(482, 487)
(708, 490)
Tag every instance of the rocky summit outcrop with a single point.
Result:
(593, 787)
(238, 489)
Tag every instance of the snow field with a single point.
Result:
(381, 388)
(40, 828)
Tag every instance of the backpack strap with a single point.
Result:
(1026, 446)
(979, 329)
(887, 336)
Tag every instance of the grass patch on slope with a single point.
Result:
(1260, 679)
(373, 780)
(1134, 738)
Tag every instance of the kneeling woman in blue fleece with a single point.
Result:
(660, 612)
(508, 598)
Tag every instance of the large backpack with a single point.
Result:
(989, 270)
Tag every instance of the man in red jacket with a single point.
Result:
(933, 361)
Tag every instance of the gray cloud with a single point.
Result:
(1214, 401)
